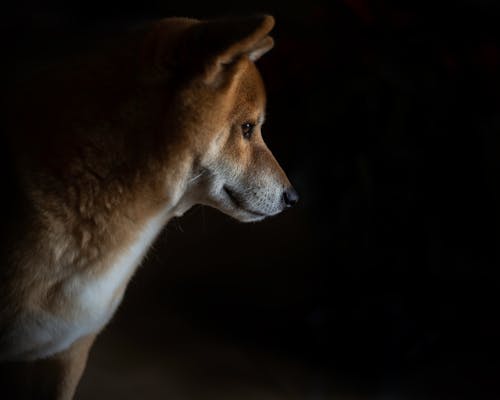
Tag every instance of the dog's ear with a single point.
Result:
(210, 49)
(218, 45)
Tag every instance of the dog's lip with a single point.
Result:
(234, 198)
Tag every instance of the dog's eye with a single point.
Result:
(247, 129)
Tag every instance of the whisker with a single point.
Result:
(178, 225)
(196, 177)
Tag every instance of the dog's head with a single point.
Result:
(222, 109)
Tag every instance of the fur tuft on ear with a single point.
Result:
(262, 48)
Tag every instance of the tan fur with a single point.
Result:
(110, 145)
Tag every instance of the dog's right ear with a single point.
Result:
(208, 49)
(219, 44)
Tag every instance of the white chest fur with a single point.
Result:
(95, 295)
(91, 300)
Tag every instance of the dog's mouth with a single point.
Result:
(233, 196)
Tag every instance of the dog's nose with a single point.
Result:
(290, 197)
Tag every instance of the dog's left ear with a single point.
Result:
(221, 43)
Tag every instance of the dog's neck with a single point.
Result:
(104, 170)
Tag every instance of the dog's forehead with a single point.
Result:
(251, 91)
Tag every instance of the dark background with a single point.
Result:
(382, 283)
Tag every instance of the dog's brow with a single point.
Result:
(261, 119)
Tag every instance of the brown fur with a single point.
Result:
(105, 141)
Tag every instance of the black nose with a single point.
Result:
(290, 197)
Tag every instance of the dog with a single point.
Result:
(104, 149)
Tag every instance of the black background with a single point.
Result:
(382, 282)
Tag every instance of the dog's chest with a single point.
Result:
(95, 298)
(89, 302)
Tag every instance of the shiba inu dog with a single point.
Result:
(105, 149)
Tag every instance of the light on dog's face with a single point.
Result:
(242, 178)
(222, 108)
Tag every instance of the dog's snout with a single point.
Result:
(290, 197)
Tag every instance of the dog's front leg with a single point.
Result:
(59, 375)
(53, 378)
